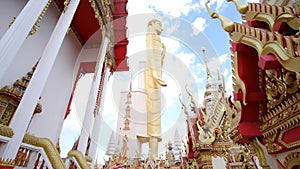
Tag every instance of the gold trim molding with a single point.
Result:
(291, 160)
(7, 163)
(82, 161)
(6, 131)
(49, 149)
(260, 155)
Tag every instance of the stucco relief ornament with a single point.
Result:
(296, 6)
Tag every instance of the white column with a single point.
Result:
(31, 96)
(13, 39)
(97, 122)
(89, 112)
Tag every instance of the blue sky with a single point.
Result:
(187, 29)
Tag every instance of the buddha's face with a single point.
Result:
(157, 27)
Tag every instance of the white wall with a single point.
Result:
(55, 96)
(33, 45)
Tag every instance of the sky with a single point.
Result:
(187, 30)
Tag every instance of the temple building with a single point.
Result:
(45, 48)
(263, 117)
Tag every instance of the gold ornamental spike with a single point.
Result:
(227, 24)
(240, 6)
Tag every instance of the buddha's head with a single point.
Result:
(155, 26)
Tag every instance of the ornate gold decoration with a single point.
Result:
(240, 6)
(272, 14)
(12, 21)
(11, 96)
(192, 98)
(97, 13)
(104, 16)
(286, 56)
(270, 145)
(267, 43)
(191, 164)
(36, 26)
(296, 6)
(282, 132)
(260, 155)
(238, 82)
(233, 114)
(6, 131)
(66, 4)
(206, 159)
(98, 58)
(7, 163)
(207, 131)
(48, 147)
(227, 24)
(190, 125)
(284, 116)
(129, 95)
(99, 93)
(291, 160)
(280, 86)
(23, 157)
(79, 158)
(116, 161)
(275, 89)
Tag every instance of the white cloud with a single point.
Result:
(223, 58)
(219, 3)
(170, 24)
(172, 45)
(138, 7)
(175, 9)
(199, 25)
(166, 7)
(186, 58)
(228, 85)
(214, 65)
(136, 44)
(225, 72)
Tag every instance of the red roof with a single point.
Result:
(85, 24)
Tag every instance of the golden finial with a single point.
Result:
(183, 106)
(192, 98)
(227, 24)
(240, 6)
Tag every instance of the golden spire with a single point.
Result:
(206, 66)
(207, 70)
(240, 6)
(227, 24)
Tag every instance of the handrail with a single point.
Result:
(41, 144)
(81, 160)
(6, 131)
(48, 147)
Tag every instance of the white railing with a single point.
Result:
(31, 156)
